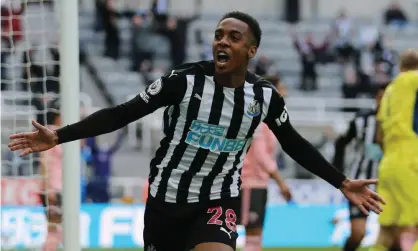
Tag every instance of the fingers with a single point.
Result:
(37, 125)
(377, 197)
(375, 204)
(20, 135)
(26, 152)
(18, 147)
(17, 142)
(371, 207)
(363, 210)
(370, 182)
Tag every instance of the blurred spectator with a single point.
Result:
(343, 29)
(142, 46)
(176, 32)
(159, 9)
(205, 47)
(262, 66)
(385, 61)
(343, 25)
(41, 81)
(309, 52)
(41, 78)
(100, 12)
(112, 36)
(395, 16)
(368, 34)
(11, 34)
(97, 188)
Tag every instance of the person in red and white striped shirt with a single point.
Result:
(259, 167)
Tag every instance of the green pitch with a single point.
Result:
(264, 249)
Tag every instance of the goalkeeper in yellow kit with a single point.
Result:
(398, 171)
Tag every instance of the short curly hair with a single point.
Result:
(249, 20)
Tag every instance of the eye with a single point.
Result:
(218, 36)
(235, 38)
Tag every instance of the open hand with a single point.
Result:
(40, 140)
(363, 197)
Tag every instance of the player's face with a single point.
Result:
(233, 46)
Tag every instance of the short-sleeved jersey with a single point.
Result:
(398, 114)
(208, 130)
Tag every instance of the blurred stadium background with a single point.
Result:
(331, 55)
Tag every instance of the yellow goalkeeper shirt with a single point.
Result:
(398, 115)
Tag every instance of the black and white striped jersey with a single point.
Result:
(362, 129)
(208, 130)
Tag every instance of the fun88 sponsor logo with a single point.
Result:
(212, 137)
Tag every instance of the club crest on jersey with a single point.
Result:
(155, 87)
(254, 109)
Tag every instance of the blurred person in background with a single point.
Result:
(395, 16)
(309, 53)
(386, 62)
(398, 170)
(176, 32)
(159, 9)
(262, 66)
(11, 34)
(112, 32)
(362, 131)
(343, 28)
(368, 34)
(51, 185)
(102, 158)
(42, 80)
(142, 46)
(259, 167)
(100, 9)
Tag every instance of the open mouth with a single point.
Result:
(222, 57)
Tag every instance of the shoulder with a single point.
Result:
(205, 67)
(406, 77)
(269, 91)
(258, 81)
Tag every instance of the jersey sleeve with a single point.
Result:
(296, 146)
(165, 91)
(168, 90)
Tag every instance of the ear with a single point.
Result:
(252, 52)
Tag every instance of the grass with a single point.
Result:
(264, 249)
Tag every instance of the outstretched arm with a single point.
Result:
(296, 146)
(163, 92)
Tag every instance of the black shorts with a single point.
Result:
(253, 211)
(175, 227)
(355, 212)
(52, 208)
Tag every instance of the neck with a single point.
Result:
(231, 80)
